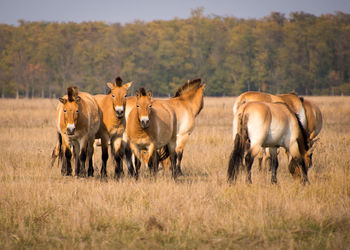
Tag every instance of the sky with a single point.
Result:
(128, 11)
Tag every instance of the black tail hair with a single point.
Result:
(163, 153)
(236, 157)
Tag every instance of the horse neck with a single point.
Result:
(193, 99)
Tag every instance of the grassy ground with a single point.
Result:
(41, 209)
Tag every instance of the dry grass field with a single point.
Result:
(41, 209)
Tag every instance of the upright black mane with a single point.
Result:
(118, 81)
(142, 91)
(189, 85)
(72, 92)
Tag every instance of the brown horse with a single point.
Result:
(314, 126)
(78, 120)
(113, 125)
(273, 125)
(187, 104)
(291, 99)
(314, 120)
(151, 125)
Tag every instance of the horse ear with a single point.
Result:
(110, 85)
(204, 85)
(127, 85)
(63, 100)
(149, 93)
(137, 93)
(77, 99)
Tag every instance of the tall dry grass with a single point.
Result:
(41, 209)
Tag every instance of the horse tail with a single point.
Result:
(236, 157)
(163, 153)
(57, 151)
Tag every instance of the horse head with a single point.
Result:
(118, 94)
(71, 108)
(144, 107)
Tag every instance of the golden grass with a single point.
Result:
(41, 209)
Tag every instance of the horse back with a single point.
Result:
(255, 96)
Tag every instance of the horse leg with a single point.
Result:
(249, 162)
(137, 167)
(154, 163)
(82, 157)
(76, 150)
(274, 164)
(66, 163)
(249, 159)
(57, 151)
(181, 141)
(150, 158)
(138, 159)
(260, 158)
(118, 153)
(128, 156)
(90, 154)
(104, 148)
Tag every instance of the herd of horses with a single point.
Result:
(147, 131)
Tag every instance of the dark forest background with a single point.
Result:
(303, 53)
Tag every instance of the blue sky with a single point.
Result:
(112, 11)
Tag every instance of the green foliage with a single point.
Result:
(302, 53)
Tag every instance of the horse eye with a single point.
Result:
(125, 96)
(65, 111)
(113, 95)
(77, 111)
(137, 106)
(150, 106)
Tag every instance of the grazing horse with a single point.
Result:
(314, 126)
(273, 125)
(291, 99)
(314, 120)
(151, 125)
(78, 120)
(113, 125)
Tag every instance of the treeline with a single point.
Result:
(303, 53)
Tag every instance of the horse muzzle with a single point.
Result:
(70, 129)
(144, 122)
(119, 111)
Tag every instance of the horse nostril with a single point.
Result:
(70, 131)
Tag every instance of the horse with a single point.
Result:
(113, 124)
(291, 99)
(151, 125)
(273, 125)
(187, 104)
(314, 126)
(314, 120)
(78, 120)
